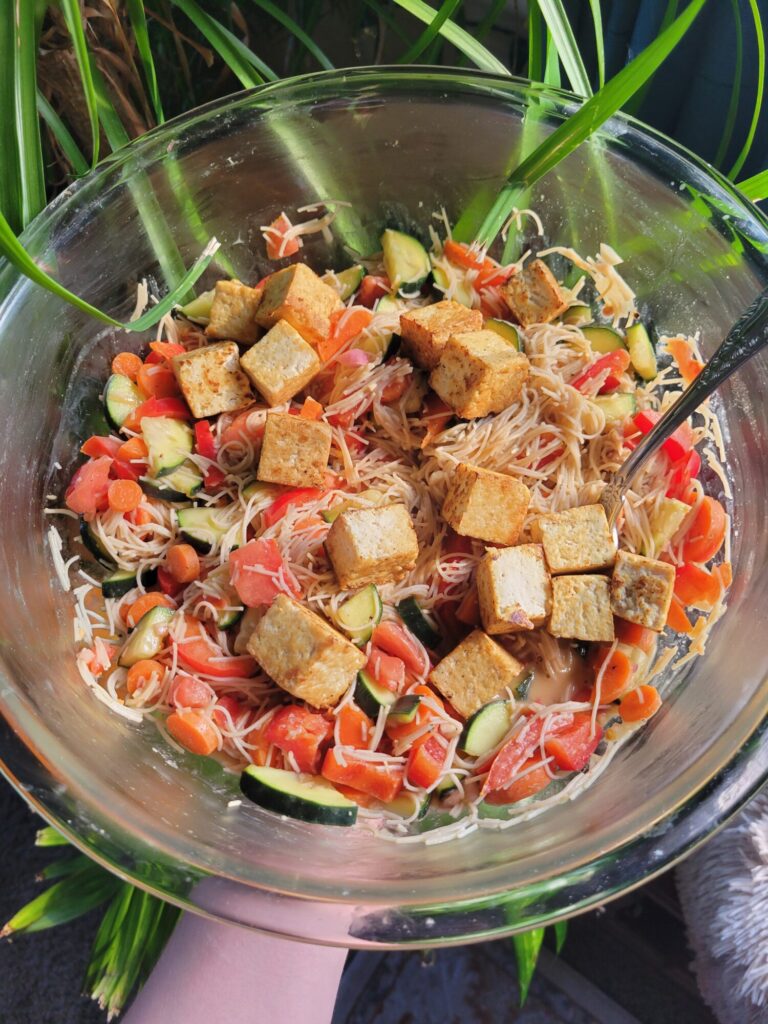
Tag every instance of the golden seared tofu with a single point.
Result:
(233, 312)
(577, 540)
(534, 296)
(426, 330)
(297, 295)
(475, 672)
(211, 380)
(281, 364)
(581, 608)
(484, 504)
(372, 545)
(514, 589)
(641, 590)
(479, 373)
(294, 451)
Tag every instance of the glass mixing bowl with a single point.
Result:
(397, 144)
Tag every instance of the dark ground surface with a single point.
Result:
(624, 965)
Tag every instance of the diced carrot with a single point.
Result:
(124, 495)
(681, 352)
(724, 573)
(677, 619)
(142, 672)
(345, 324)
(146, 603)
(617, 677)
(167, 349)
(311, 410)
(278, 246)
(127, 363)
(157, 381)
(634, 635)
(531, 783)
(355, 727)
(695, 586)
(183, 562)
(135, 448)
(192, 730)
(706, 533)
(639, 704)
(468, 611)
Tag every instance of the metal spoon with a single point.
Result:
(745, 339)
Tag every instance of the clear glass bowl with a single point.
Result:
(397, 144)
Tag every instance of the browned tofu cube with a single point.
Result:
(297, 294)
(475, 672)
(233, 312)
(641, 590)
(372, 545)
(211, 380)
(281, 364)
(534, 296)
(577, 540)
(304, 654)
(487, 505)
(581, 608)
(426, 330)
(479, 373)
(513, 588)
(294, 451)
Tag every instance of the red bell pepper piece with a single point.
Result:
(372, 288)
(98, 446)
(573, 745)
(207, 659)
(383, 781)
(425, 762)
(204, 442)
(173, 408)
(274, 512)
(616, 362)
(677, 445)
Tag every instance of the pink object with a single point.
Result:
(213, 973)
(354, 357)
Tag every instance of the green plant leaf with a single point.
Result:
(430, 32)
(455, 34)
(138, 19)
(527, 946)
(10, 177)
(71, 11)
(63, 136)
(552, 64)
(489, 20)
(536, 42)
(49, 836)
(733, 105)
(755, 188)
(561, 931)
(23, 56)
(249, 69)
(760, 38)
(386, 19)
(67, 899)
(295, 29)
(597, 18)
(670, 13)
(579, 126)
(565, 43)
(63, 868)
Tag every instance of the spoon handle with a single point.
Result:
(745, 339)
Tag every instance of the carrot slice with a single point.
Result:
(640, 704)
(135, 448)
(146, 603)
(681, 352)
(677, 619)
(183, 563)
(634, 635)
(141, 673)
(311, 410)
(695, 586)
(345, 325)
(124, 495)
(706, 533)
(127, 363)
(724, 573)
(617, 677)
(192, 730)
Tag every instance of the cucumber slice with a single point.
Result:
(120, 582)
(386, 304)
(504, 330)
(405, 804)
(641, 351)
(345, 282)
(617, 406)
(169, 443)
(486, 728)
(256, 487)
(444, 787)
(359, 614)
(199, 309)
(404, 710)
(577, 316)
(94, 545)
(602, 339)
(462, 291)
(202, 527)
(178, 486)
(415, 619)
(146, 641)
(667, 521)
(523, 688)
(405, 260)
(121, 397)
(304, 797)
(370, 697)
(362, 500)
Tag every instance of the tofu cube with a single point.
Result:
(233, 312)
(294, 451)
(581, 608)
(641, 590)
(487, 505)
(479, 373)
(281, 364)
(514, 589)
(426, 330)
(534, 296)
(577, 540)
(475, 672)
(297, 294)
(211, 380)
(304, 654)
(372, 545)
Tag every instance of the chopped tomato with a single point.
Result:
(274, 512)
(436, 415)
(342, 419)
(355, 727)
(246, 426)
(204, 657)
(425, 761)
(386, 670)
(535, 779)
(690, 367)
(346, 324)
(157, 381)
(122, 470)
(424, 714)
(87, 493)
(573, 745)
(634, 635)
(695, 586)
(297, 730)
(278, 246)
(372, 288)
(677, 445)
(100, 661)
(188, 692)
(616, 362)
(396, 640)
(258, 573)
(468, 611)
(683, 472)
(706, 533)
(173, 408)
(97, 446)
(231, 705)
(383, 781)
(204, 442)
(213, 478)
(167, 583)
(677, 619)
(522, 746)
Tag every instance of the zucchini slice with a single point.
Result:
(121, 397)
(602, 339)
(405, 260)
(370, 697)
(94, 545)
(386, 304)
(486, 728)
(304, 797)
(666, 522)
(199, 309)
(404, 710)
(617, 406)
(345, 282)
(504, 330)
(177, 486)
(120, 582)
(202, 527)
(641, 351)
(415, 619)
(577, 316)
(169, 443)
(444, 787)
(523, 688)
(146, 641)
(360, 614)
(406, 803)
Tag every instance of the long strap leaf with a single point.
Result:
(760, 38)
(63, 136)
(29, 149)
(566, 46)
(242, 62)
(569, 135)
(430, 32)
(755, 188)
(295, 29)
(138, 19)
(480, 56)
(733, 104)
(67, 899)
(527, 946)
(71, 11)
(597, 18)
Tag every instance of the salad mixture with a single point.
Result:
(350, 538)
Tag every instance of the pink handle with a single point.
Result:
(212, 973)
